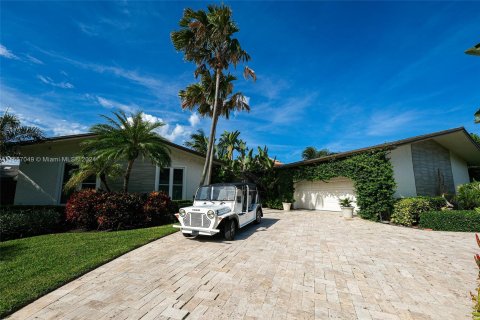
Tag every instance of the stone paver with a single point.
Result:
(295, 265)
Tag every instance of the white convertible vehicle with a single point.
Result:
(223, 207)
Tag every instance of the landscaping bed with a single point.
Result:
(32, 267)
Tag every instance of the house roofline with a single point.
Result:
(93, 135)
(387, 145)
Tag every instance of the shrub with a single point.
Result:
(436, 203)
(468, 196)
(22, 222)
(273, 204)
(80, 208)
(451, 220)
(159, 209)
(118, 210)
(406, 211)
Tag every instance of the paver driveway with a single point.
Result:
(296, 265)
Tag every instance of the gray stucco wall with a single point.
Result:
(432, 169)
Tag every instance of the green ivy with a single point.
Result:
(371, 173)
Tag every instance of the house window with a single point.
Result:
(170, 181)
(89, 183)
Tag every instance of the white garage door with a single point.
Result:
(319, 195)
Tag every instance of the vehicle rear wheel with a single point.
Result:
(229, 230)
(258, 217)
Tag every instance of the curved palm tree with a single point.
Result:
(228, 143)
(127, 138)
(206, 38)
(198, 141)
(12, 131)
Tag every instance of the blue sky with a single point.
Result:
(335, 75)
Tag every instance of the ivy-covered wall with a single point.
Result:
(371, 173)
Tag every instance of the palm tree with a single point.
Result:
(228, 143)
(127, 138)
(312, 153)
(198, 142)
(200, 96)
(206, 38)
(12, 132)
(91, 166)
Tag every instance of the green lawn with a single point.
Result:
(31, 267)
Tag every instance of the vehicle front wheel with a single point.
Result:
(258, 217)
(229, 230)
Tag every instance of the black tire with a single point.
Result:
(188, 235)
(229, 230)
(258, 218)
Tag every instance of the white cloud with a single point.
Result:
(385, 123)
(65, 127)
(33, 59)
(194, 119)
(4, 52)
(110, 104)
(50, 119)
(49, 81)
(172, 132)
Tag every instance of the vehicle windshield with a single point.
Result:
(216, 193)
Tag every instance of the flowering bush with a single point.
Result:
(80, 208)
(90, 209)
(159, 208)
(117, 210)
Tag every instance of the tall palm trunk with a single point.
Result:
(126, 178)
(207, 169)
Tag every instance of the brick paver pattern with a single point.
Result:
(294, 265)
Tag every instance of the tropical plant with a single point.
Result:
(345, 202)
(312, 153)
(126, 138)
(477, 116)
(475, 137)
(228, 143)
(198, 141)
(12, 132)
(206, 38)
(468, 195)
(93, 166)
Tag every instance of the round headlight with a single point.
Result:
(182, 213)
(210, 214)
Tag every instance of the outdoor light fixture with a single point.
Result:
(474, 51)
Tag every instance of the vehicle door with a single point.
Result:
(241, 205)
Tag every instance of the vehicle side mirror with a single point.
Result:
(239, 199)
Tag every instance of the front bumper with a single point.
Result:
(196, 230)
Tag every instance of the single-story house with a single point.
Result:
(420, 165)
(44, 170)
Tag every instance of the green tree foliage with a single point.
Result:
(198, 142)
(312, 153)
(475, 137)
(125, 138)
(91, 166)
(207, 39)
(12, 132)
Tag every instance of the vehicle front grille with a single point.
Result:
(196, 220)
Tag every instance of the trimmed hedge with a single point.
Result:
(407, 211)
(29, 221)
(451, 220)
